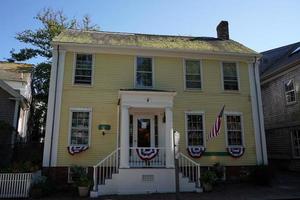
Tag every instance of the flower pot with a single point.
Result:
(207, 187)
(83, 191)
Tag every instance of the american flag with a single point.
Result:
(214, 132)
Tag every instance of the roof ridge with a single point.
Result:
(146, 34)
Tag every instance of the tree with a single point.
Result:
(39, 42)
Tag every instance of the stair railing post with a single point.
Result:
(95, 179)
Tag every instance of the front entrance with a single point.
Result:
(144, 131)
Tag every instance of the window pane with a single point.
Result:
(83, 71)
(193, 84)
(144, 79)
(296, 142)
(144, 64)
(80, 128)
(195, 129)
(234, 130)
(192, 67)
(144, 72)
(192, 74)
(230, 76)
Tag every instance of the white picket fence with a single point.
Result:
(15, 185)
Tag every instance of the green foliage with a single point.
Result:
(53, 22)
(80, 176)
(20, 167)
(209, 177)
(219, 170)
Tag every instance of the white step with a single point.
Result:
(144, 181)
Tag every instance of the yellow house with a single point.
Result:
(119, 102)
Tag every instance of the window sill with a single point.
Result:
(193, 90)
(82, 85)
(291, 103)
(235, 146)
(231, 92)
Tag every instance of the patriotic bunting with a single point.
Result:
(196, 151)
(236, 152)
(147, 153)
(215, 131)
(76, 149)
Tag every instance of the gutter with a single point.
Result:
(54, 106)
(246, 55)
(258, 111)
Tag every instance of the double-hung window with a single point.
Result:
(192, 75)
(234, 128)
(296, 142)
(230, 76)
(290, 94)
(80, 127)
(195, 129)
(144, 73)
(83, 69)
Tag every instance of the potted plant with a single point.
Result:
(208, 178)
(81, 180)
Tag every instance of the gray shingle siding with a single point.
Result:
(7, 107)
(7, 110)
(277, 113)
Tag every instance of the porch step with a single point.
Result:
(143, 181)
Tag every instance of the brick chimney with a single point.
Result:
(223, 31)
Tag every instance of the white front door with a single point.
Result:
(143, 131)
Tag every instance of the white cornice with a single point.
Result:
(147, 51)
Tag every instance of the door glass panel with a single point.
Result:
(144, 132)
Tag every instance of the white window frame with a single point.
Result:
(90, 123)
(184, 75)
(74, 69)
(202, 113)
(292, 142)
(135, 71)
(228, 113)
(285, 92)
(238, 76)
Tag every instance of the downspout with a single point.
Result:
(54, 106)
(258, 111)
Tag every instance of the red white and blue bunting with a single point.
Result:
(196, 151)
(147, 153)
(236, 152)
(76, 149)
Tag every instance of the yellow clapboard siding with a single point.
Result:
(113, 72)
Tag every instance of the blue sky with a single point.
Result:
(258, 24)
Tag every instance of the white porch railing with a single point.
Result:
(158, 161)
(15, 185)
(105, 168)
(189, 168)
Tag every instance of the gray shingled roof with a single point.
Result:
(201, 44)
(15, 71)
(278, 59)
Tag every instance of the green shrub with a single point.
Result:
(80, 177)
(209, 177)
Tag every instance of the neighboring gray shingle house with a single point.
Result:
(280, 85)
(15, 95)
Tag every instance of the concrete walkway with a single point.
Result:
(284, 186)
